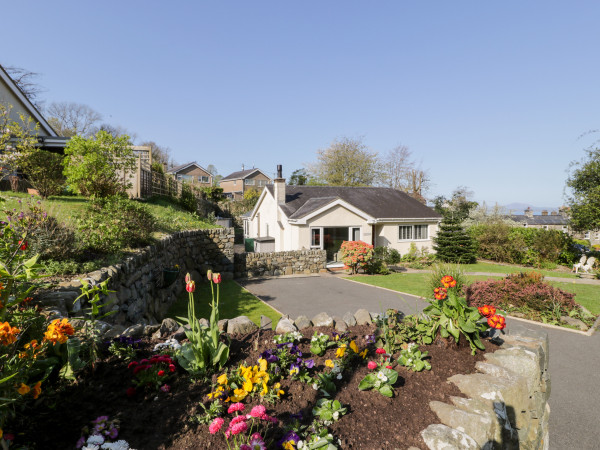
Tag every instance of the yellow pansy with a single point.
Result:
(363, 353)
(354, 347)
(222, 379)
(262, 364)
(340, 351)
(329, 363)
(248, 386)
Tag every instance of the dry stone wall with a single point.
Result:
(140, 295)
(280, 263)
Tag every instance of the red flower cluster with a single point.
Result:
(497, 321)
(487, 310)
(448, 281)
(151, 372)
(440, 293)
(23, 245)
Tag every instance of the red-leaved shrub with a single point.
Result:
(523, 290)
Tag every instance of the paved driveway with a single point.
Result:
(574, 358)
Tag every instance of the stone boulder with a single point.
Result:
(322, 320)
(285, 326)
(241, 325)
(302, 322)
(362, 317)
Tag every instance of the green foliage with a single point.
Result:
(382, 257)
(212, 193)
(204, 352)
(319, 344)
(456, 207)
(109, 224)
(299, 177)
(346, 162)
(97, 167)
(584, 183)
(187, 199)
(439, 270)
(157, 167)
(453, 244)
(450, 314)
(328, 411)
(412, 357)
(382, 381)
(517, 245)
(43, 170)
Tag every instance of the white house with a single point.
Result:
(322, 217)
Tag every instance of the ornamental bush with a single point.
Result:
(525, 291)
(356, 255)
(109, 224)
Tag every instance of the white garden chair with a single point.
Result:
(580, 264)
(589, 265)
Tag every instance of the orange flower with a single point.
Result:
(487, 310)
(448, 281)
(23, 389)
(58, 331)
(440, 293)
(37, 389)
(496, 321)
(8, 334)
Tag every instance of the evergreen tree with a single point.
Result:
(453, 244)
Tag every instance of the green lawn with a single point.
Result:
(234, 301)
(417, 284)
(504, 269)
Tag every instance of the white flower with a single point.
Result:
(381, 376)
(336, 415)
(339, 377)
(90, 447)
(315, 386)
(119, 445)
(95, 439)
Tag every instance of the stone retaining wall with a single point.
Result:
(140, 295)
(280, 263)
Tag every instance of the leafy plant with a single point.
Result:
(451, 315)
(153, 372)
(382, 379)
(328, 411)
(411, 357)
(204, 351)
(124, 347)
(320, 343)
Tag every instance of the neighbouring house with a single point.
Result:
(11, 96)
(235, 184)
(193, 173)
(322, 217)
(554, 221)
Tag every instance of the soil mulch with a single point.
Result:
(159, 420)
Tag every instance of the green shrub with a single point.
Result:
(112, 223)
(187, 199)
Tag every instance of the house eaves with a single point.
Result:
(31, 109)
(331, 204)
(243, 174)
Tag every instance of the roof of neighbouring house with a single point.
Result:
(185, 166)
(379, 203)
(242, 174)
(556, 219)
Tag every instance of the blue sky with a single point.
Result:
(489, 95)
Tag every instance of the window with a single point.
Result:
(413, 232)
(405, 232)
(249, 182)
(184, 177)
(421, 231)
(203, 179)
(261, 182)
(234, 182)
(586, 235)
(545, 227)
(355, 234)
(315, 240)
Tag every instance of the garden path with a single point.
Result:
(574, 358)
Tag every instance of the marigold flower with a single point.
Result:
(191, 286)
(448, 281)
(487, 310)
(496, 321)
(58, 331)
(37, 389)
(23, 389)
(216, 278)
(372, 365)
(8, 334)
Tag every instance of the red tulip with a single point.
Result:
(191, 286)
(216, 278)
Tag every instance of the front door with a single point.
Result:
(333, 238)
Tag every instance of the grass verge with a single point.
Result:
(234, 301)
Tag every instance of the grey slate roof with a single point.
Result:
(540, 220)
(379, 203)
(241, 174)
(184, 166)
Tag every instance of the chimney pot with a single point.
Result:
(279, 187)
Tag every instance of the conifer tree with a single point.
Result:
(453, 244)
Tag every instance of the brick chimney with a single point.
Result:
(544, 213)
(529, 213)
(279, 187)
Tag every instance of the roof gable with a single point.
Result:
(243, 174)
(20, 101)
(185, 166)
(381, 204)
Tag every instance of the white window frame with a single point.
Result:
(321, 234)
(249, 182)
(413, 232)
(312, 229)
